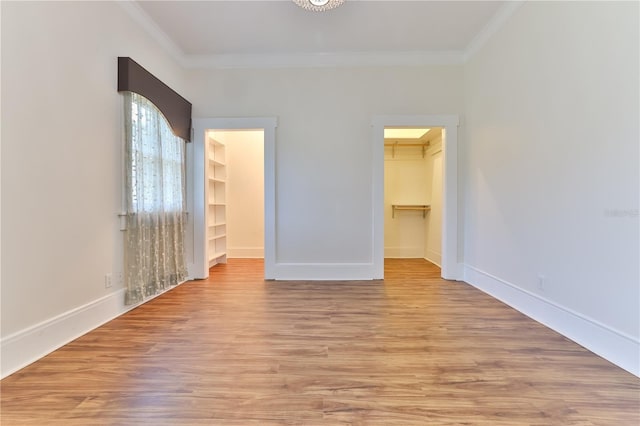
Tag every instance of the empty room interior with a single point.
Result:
(374, 212)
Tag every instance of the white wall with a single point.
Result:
(245, 192)
(549, 156)
(324, 152)
(551, 161)
(61, 167)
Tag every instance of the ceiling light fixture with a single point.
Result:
(318, 5)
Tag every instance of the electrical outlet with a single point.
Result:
(107, 281)
(542, 282)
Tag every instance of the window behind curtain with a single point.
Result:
(155, 193)
(157, 160)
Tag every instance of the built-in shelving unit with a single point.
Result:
(216, 202)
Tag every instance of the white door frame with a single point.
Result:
(450, 269)
(201, 126)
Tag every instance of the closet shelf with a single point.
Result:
(395, 145)
(419, 207)
(216, 200)
(217, 255)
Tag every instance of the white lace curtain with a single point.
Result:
(155, 205)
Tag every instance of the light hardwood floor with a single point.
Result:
(236, 350)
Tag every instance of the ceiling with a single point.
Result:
(413, 135)
(219, 32)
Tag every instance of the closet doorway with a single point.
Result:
(235, 179)
(413, 193)
(233, 190)
(451, 268)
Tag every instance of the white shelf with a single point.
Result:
(216, 213)
(218, 255)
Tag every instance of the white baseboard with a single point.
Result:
(29, 345)
(26, 346)
(245, 252)
(617, 347)
(434, 257)
(324, 271)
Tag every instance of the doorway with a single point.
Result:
(450, 268)
(242, 185)
(413, 193)
(199, 202)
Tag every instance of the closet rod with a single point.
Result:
(393, 146)
(421, 207)
(406, 144)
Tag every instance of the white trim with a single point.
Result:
(617, 347)
(29, 345)
(435, 258)
(287, 60)
(323, 271)
(136, 13)
(26, 346)
(318, 59)
(189, 236)
(495, 23)
(201, 125)
(450, 269)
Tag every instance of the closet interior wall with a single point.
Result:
(413, 177)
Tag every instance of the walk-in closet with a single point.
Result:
(235, 195)
(413, 193)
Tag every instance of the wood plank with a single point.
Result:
(237, 350)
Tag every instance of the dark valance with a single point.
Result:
(133, 78)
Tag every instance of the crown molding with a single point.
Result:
(136, 13)
(495, 23)
(319, 60)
